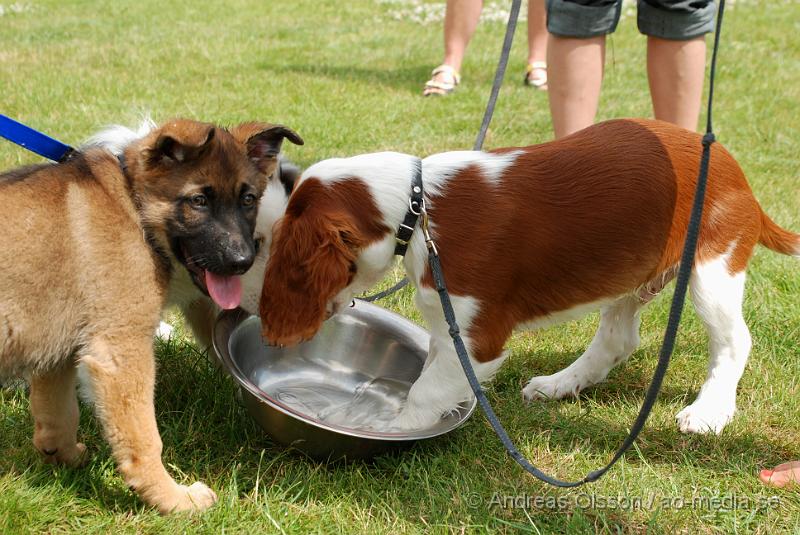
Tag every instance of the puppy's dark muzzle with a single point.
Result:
(237, 262)
(236, 256)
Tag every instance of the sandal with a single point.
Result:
(433, 87)
(536, 75)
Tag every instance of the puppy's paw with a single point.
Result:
(556, 386)
(73, 456)
(704, 417)
(194, 498)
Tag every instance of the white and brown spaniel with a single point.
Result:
(530, 237)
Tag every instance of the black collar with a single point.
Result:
(415, 206)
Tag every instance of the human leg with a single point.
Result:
(575, 58)
(675, 70)
(460, 21)
(575, 75)
(536, 71)
(676, 56)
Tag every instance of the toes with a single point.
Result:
(70, 456)
(194, 498)
(782, 475)
(792, 465)
(201, 496)
(703, 420)
(411, 420)
(551, 387)
(777, 479)
(766, 477)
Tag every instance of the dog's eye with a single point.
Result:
(198, 200)
(248, 200)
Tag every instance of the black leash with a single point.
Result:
(500, 73)
(511, 27)
(389, 291)
(681, 285)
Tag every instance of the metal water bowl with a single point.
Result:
(321, 395)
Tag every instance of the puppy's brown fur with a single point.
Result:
(87, 250)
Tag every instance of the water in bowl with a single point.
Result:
(371, 405)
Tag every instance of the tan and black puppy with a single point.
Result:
(87, 251)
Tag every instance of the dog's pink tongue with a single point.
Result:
(225, 291)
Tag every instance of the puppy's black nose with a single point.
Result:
(236, 263)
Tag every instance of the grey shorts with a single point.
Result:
(668, 19)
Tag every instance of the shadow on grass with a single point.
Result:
(626, 378)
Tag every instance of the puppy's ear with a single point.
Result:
(180, 141)
(263, 142)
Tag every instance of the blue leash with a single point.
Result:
(33, 140)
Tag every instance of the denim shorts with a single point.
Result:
(678, 20)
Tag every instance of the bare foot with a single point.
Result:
(783, 475)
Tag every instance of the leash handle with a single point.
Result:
(667, 347)
(713, 68)
(33, 140)
(499, 74)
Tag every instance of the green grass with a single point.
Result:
(347, 77)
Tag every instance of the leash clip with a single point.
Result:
(426, 230)
(415, 207)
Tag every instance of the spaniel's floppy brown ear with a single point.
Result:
(310, 262)
(180, 140)
(263, 142)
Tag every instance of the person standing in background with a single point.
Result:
(460, 21)
(676, 55)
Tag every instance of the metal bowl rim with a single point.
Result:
(234, 318)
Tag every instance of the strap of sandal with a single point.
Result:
(536, 74)
(536, 65)
(444, 86)
(447, 69)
